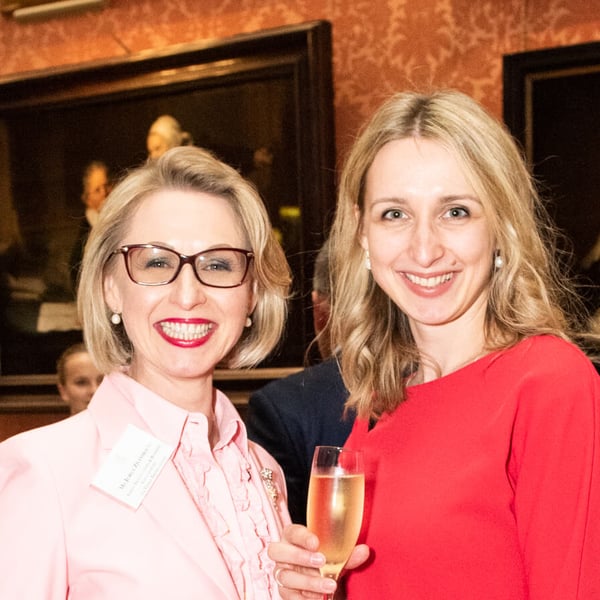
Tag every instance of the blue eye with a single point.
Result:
(457, 212)
(392, 214)
(158, 262)
(221, 261)
(217, 265)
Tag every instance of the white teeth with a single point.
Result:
(185, 331)
(429, 282)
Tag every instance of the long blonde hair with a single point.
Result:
(528, 296)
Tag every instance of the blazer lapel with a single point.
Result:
(273, 492)
(168, 503)
(172, 509)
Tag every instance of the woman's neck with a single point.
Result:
(445, 350)
(192, 394)
(429, 370)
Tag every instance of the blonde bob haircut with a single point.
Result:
(527, 296)
(192, 169)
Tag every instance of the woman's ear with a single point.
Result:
(112, 297)
(62, 392)
(252, 297)
(362, 240)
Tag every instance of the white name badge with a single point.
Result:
(132, 466)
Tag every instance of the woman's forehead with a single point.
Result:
(184, 215)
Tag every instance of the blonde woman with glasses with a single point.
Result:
(154, 491)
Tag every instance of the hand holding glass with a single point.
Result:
(335, 504)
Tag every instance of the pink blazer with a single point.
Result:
(62, 538)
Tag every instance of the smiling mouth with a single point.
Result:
(428, 282)
(185, 331)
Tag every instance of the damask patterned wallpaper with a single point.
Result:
(380, 46)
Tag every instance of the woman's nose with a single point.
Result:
(186, 289)
(426, 245)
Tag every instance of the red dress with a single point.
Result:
(485, 484)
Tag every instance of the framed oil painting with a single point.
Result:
(262, 102)
(552, 106)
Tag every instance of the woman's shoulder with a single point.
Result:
(545, 362)
(546, 350)
(55, 443)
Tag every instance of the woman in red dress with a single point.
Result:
(479, 416)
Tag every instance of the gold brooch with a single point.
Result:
(267, 477)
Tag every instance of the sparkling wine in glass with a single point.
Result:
(336, 495)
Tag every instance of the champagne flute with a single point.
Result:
(334, 513)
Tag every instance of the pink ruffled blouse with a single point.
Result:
(221, 485)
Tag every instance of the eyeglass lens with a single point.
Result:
(153, 265)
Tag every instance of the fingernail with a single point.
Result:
(329, 586)
(317, 559)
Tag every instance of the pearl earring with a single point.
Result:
(248, 322)
(498, 261)
(115, 318)
(368, 261)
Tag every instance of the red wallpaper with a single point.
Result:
(380, 46)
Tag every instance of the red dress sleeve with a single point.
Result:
(555, 469)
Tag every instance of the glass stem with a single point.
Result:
(331, 596)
